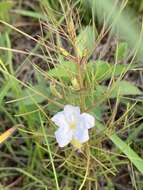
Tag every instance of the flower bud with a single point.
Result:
(75, 84)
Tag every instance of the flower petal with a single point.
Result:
(60, 120)
(81, 133)
(63, 136)
(72, 113)
(89, 120)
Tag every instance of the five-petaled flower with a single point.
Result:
(73, 126)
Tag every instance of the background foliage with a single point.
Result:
(86, 53)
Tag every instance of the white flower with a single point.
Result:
(73, 126)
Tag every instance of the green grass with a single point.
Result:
(60, 69)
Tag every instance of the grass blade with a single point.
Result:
(50, 154)
(125, 148)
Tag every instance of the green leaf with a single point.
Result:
(121, 50)
(119, 69)
(86, 40)
(103, 70)
(125, 148)
(28, 96)
(98, 111)
(65, 70)
(120, 88)
(5, 7)
(100, 90)
(124, 88)
(31, 14)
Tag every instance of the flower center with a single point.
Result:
(76, 143)
(73, 125)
